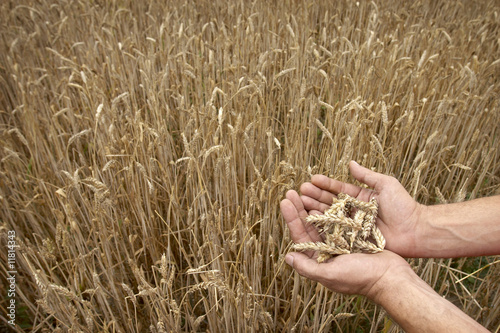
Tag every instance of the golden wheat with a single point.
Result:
(145, 141)
(343, 234)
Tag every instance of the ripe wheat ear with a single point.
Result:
(343, 234)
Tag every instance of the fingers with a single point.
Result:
(315, 212)
(294, 222)
(334, 186)
(323, 189)
(312, 204)
(319, 194)
(295, 200)
(304, 265)
(294, 214)
(364, 175)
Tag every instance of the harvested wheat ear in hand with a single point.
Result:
(343, 234)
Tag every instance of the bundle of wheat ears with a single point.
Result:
(342, 233)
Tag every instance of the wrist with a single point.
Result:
(391, 283)
(415, 306)
(421, 231)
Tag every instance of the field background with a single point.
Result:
(145, 147)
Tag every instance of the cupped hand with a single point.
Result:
(398, 214)
(362, 274)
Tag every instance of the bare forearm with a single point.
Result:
(464, 229)
(416, 307)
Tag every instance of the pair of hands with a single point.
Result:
(364, 274)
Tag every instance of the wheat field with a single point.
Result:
(145, 147)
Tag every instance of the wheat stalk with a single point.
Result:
(143, 140)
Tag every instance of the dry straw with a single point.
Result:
(145, 140)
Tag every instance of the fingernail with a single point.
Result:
(353, 161)
(289, 260)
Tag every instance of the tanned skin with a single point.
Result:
(465, 229)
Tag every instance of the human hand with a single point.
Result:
(363, 274)
(385, 277)
(398, 213)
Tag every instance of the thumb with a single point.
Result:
(304, 265)
(364, 175)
